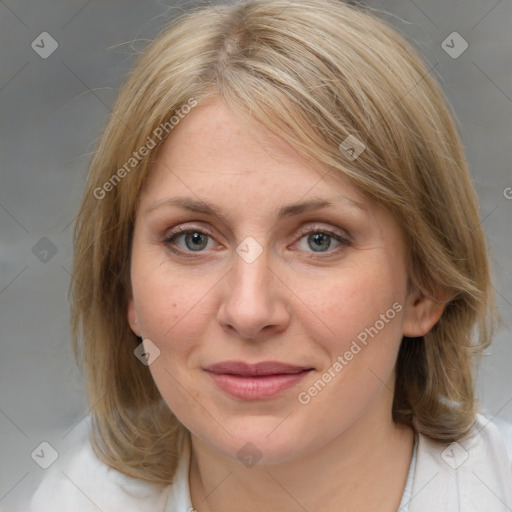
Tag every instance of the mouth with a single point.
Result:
(256, 381)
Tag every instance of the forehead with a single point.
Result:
(211, 152)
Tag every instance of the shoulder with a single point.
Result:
(505, 431)
(79, 481)
(473, 474)
(492, 438)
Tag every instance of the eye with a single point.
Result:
(195, 240)
(317, 240)
(320, 240)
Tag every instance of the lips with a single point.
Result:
(258, 381)
(255, 370)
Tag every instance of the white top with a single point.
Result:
(473, 476)
(407, 495)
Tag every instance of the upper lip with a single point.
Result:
(256, 369)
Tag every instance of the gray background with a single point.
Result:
(51, 113)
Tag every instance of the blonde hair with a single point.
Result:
(314, 72)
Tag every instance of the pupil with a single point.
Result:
(196, 239)
(318, 238)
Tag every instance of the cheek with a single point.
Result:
(167, 298)
(362, 310)
(170, 306)
(352, 301)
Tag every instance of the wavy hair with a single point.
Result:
(313, 72)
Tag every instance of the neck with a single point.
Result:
(364, 468)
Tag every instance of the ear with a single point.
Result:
(422, 312)
(133, 319)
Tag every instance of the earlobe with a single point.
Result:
(422, 313)
(133, 319)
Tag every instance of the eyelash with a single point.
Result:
(301, 232)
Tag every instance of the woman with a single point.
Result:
(280, 279)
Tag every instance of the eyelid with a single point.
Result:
(302, 230)
(185, 229)
(337, 232)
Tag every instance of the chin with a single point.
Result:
(258, 444)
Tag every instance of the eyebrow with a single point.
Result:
(284, 212)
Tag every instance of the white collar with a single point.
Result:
(471, 476)
(178, 499)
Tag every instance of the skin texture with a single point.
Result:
(294, 303)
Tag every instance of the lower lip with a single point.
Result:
(256, 388)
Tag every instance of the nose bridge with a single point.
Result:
(250, 277)
(251, 261)
(251, 301)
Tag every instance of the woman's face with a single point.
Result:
(278, 319)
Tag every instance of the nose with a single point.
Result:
(254, 304)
